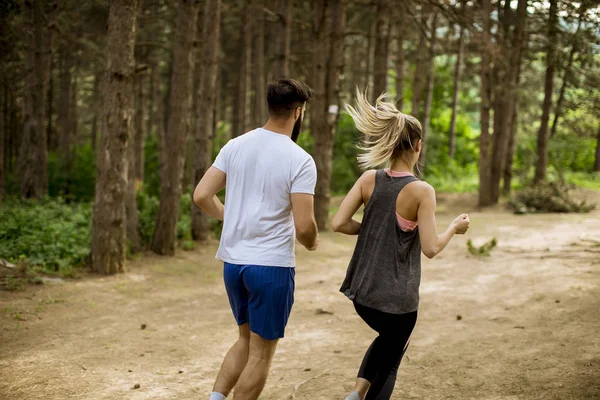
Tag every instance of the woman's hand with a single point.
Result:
(461, 224)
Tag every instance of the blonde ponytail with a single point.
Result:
(387, 132)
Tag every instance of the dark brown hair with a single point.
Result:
(285, 95)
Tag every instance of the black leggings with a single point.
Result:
(381, 362)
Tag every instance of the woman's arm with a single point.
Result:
(343, 221)
(431, 243)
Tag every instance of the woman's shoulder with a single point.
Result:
(421, 189)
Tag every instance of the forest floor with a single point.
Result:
(523, 323)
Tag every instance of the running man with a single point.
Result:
(399, 223)
(270, 183)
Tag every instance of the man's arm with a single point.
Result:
(304, 220)
(205, 195)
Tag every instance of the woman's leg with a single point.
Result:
(381, 362)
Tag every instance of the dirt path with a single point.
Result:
(529, 323)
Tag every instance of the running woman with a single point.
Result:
(399, 222)
(270, 183)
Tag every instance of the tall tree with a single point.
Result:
(430, 85)
(542, 141)
(400, 32)
(108, 221)
(458, 69)
(326, 69)
(207, 98)
(507, 98)
(597, 160)
(283, 38)
(240, 117)
(382, 41)
(3, 109)
(567, 76)
(512, 95)
(259, 114)
(417, 88)
(173, 145)
(485, 190)
(33, 163)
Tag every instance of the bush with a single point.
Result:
(49, 233)
(552, 197)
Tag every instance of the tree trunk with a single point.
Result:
(382, 40)
(519, 44)
(430, 84)
(399, 66)
(371, 59)
(240, 124)
(259, 114)
(108, 221)
(485, 190)
(138, 142)
(284, 38)
(3, 110)
(327, 67)
(171, 173)
(158, 115)
(510, 154)
(96, 102)
(597, 161)
(458, 69)
(205, 111)
(417, 88)
(131, 211)
(542, 141)
(508, 100)
(33, 165)
(50, 130)
(568, 71)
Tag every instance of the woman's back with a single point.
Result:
(385, 270)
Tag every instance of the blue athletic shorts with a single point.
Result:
(262, 296)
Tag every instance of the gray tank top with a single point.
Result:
(385, 270)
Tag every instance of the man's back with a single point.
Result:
(263, 169)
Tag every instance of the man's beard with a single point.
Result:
(296, 130)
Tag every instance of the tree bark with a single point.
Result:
(138, 142)
(510, 154)
(371, 59)
(327, 67)
(597, 161)
(50, 129)
(108, 221)
(158, 99)
(430, 85)
(284, 38)
(542, 141)
(33, 163)
(259, 114)
(171, 173)
(3, 110)
(240, 123)
(458, 69)
(508, 100)
(382, 40)
(400, 66)
(96, 103)
(485, 191)
(417, 88)
(207, 97)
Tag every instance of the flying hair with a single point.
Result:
(387, 132)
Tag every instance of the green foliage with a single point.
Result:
(553, 197)
(484, 250)
(50, 233)
(147, 211)
(78, 183)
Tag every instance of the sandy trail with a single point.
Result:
(529, 327)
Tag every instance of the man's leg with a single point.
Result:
(234, 363)
(253, 378)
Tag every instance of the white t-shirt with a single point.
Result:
(263, 169)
